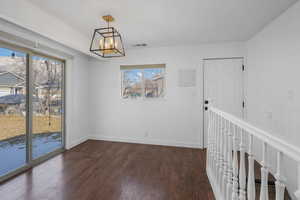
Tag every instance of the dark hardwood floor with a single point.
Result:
(97, 170)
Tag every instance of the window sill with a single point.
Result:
(143, 99)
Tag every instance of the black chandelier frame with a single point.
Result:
(105, 33)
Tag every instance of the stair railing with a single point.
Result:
(226, 161)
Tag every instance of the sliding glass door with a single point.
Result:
(31, 108)
(47, 116)
(13, 104)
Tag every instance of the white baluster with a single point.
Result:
(212, 161)
(208, 149)
(225, 157)
(297, 193)
(216, 169)
(251, 176)
(264, 192)
(221, 166)
(229, 160)
(227, 174)
(280, 186)
(235, 186)
(211, 153)
(242, 173)
(214, 146)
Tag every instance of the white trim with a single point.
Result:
(277, 143)
(77, 142)
(203, 89)
(143, 141)
(130, 140)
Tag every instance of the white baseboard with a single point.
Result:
(130, 140)
(145, 141)
(77, 142)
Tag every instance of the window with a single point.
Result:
(143, 81)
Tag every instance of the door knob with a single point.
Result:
(206, 102)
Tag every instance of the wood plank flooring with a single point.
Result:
(98, 170)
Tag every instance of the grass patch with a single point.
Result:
(12, 125)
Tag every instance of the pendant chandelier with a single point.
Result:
(107, 42)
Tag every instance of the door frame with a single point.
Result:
(203, 89)
(30, 162)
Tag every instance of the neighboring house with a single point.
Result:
(12, 104)
(152, 88)
(13, 94)
(155, 87)
(11, 83)
(135, 90)
(16, 104)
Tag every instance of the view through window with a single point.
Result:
(45, 114)
(12, 110)
(143, 81)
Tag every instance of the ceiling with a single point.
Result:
(170, 22)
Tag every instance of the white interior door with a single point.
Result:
(223, 87)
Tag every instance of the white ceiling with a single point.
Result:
(170, 22)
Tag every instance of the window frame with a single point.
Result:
(142, 67)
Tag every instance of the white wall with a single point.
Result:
(77, 100)
(273, 88)
(174, 120)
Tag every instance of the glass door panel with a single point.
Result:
(12, 110)
(31, 108)
(47, 106)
